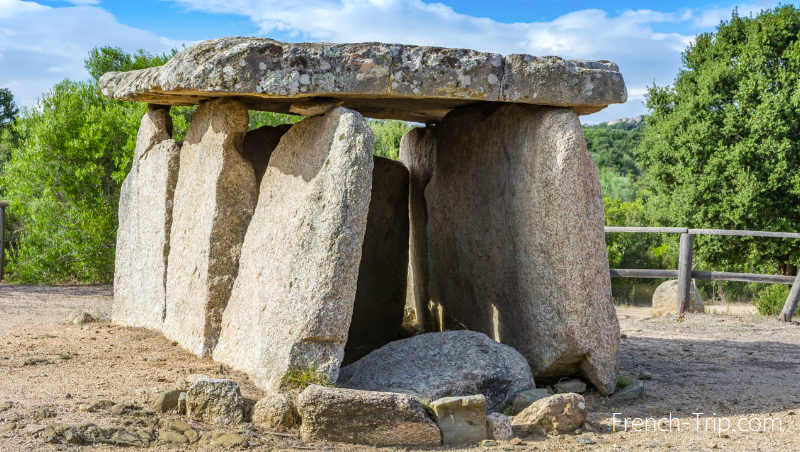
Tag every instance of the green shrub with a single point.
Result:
(770, 300)
(623, 381)
(426, 405)
(301, 378)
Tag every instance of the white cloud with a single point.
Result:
(41, 45)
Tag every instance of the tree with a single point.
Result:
(114, 59)
(722, 145)
(8, 109)
(388, 133)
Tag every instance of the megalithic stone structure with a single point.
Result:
(293, 299)
(504, 217)
(145, 221)
(214, 201)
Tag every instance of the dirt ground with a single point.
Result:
(735, 368)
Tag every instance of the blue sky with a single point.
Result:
(44, 41)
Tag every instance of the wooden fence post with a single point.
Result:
(3, 205)
(685, 273)
(791, 301)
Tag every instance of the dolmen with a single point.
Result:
(295, 247)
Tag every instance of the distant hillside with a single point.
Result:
(611, 145)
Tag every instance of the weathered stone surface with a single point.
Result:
(572, 385)
(365, 417)
(276, 412)
(416, 153)
(168, 400)
(446, 364)
(293, 299)
(633, 391)
(498, 427)
(378, 80)
(665, 299)
(555, 414)
(214, 199)
(145, 220)
(258, 146)
(381, 288)
(526, 398)
(461, 419)
(516, 240)
(82, 317)
(216, 401)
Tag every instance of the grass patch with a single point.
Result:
(301, 378)
(507, 408)
(623, 381)
(426, 405)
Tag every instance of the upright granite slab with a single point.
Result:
(381, 293)
(412, 83)
(145, 220)
(293, 299)
(214, 200)
(516, 239)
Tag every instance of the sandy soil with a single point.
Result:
(731, 366)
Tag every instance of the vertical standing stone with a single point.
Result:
(145, 218)
(214, 201)
(381, 294)
(416, 152)
(516, 240)
(293, 300)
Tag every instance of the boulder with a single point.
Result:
(145, 222)
(572, 385)
(216, 401)
(214, 200)
(516, 240)
(552, 415)
(381, 288)
(634, 390)
(258, 146)
(665, 299)
(276, 412)
(167, 400)
(446, 364)
(498, 427)
(412, 83)
(525, 398)
(364, 417)
(461, 419)
(293, 299)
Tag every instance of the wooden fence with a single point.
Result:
(684, 273)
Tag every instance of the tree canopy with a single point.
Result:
(8, 109)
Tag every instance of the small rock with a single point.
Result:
(554, 414)
(122, 408)
(35, 361)
(167, 400)
(585, 441)
(192, 435)
(713, 446)
(175, 425)
(5, 406)
(275, 412)
(575, 386)
(127, 437)
(181, 409)
(42, 414)
(646, 376)
(515, 442)
(488, 443)
(7, 428)
(98, 405)
(230, 440)
(525, 398)
(634, 390)
(461, 419)
(81, 317)
(217, 401)
(170, 437)
(498, 426)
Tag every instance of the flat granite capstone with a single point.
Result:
(387, 81)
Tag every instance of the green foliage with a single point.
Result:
(300, 378)
(426, 405)
(114, 59)
(8, 109)
(387, 136)
(623, 381)
(507, 408)
(770, 300)
(612, 147)
(722, 145)
(266, 118)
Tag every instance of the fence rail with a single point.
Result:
(685, 273)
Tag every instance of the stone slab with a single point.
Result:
(293, 299)
(145, 221)
(461, 419)
(389, 81)
(214, 200)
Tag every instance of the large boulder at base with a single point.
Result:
(461, 419)
(214, 200)
(258, 146)
(145, 221)
(365, 417)
(516, 239)
(293, 299)
(555, 414)
(381, 289)
(416, 153)
(665, 299)
(215, 401)
(446, 364)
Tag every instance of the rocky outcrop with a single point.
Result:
(376, 419)
(145, 221)
(552, 415)
(395, 81)
(214, 200)
(293, 299)
(516, 240)
(437, 365)
(665, 299)
(381, 289)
